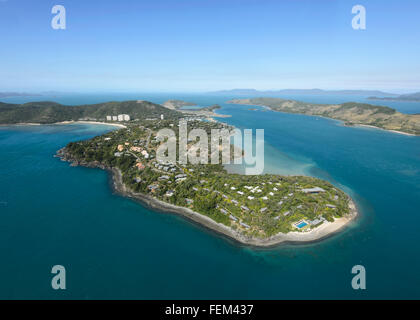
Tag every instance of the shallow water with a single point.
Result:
(113, 247)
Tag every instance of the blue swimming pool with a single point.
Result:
(301, 225)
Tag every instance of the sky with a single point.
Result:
(205, 45)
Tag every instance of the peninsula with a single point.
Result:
(177, 104)
(200, 112)
(352, 113)
(260, 210)
(412, 97)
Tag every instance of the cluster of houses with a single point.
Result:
(164, 166)
(121, 148)
(313, 190)
(258, 189)
(140, 166)
(180, 177)
(120, 117)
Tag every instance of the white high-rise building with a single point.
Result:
(120, 117)
(114, 118)
(161, 117)
(108, 118)
(126, 117)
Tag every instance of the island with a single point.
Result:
(412, 97)
(351, 113)
(257, 210)
(254, 92)
(18, 94)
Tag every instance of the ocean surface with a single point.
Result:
(115, 248)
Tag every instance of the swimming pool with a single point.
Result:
(301, 225)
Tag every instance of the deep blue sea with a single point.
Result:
(115, 248)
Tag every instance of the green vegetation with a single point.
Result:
(352, 113)
(404, 97)
(258, 206)
(51, 112)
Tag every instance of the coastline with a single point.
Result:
(64, 123)
(373, 127)
(91, 122)
(326, 230)
(342, 121)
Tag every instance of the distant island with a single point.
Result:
(301, 92)
(18, 94)
(352, 113)
(414, 97)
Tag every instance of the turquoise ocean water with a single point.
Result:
(113, 247)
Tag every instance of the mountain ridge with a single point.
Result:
(302, 91)
(47, 112)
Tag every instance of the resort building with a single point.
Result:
(136, 149)
(313, 190)
(223, 211)
(120, 117)
(244, 225)
(233, 218)
(139, 165)
(153, 187)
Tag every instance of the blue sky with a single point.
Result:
(202, 45)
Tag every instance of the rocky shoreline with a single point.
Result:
(326, 230)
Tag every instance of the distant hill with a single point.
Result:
(51, 112)
(177, 104)
(18, 94)
(302, 91)
(403, 97)
(352, 113)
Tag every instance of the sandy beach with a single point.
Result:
(64, 123)
(326, 230)
(395, 131)
(93, 122)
